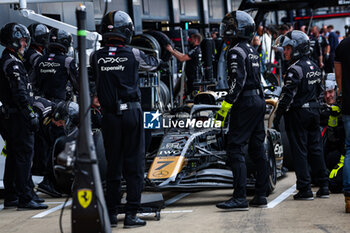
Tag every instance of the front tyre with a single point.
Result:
(272, 167)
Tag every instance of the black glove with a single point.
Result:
(276, 123)
(33, 122)
(31, 117)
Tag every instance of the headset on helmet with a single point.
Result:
(11, 35)
(60, 39)
(39, 34)
(299, 42)
(117, 24)
(237, 24)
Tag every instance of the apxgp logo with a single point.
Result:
(49, 64)
(112, 60)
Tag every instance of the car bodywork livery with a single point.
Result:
(195, 159)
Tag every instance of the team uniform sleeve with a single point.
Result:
(237, 75)
(18, 86)
(146, 62)
(34, 77)
(288, 92)
(192, 53)
(318, 48)
(339, 53)
(73, 75)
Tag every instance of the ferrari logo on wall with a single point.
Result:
(84, 197)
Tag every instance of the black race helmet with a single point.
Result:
(117, 24)
(11, 35)
(237, 25)
(69, 112)
(39, 34)
(300, 43)
(60, 39)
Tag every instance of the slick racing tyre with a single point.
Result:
(64, 177)
(100, 153)
(272, 167)
(147, 41)
(164, 93)
(163, 41)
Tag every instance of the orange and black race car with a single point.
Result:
(193, 158)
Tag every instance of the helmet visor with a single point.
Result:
(223, 27)
(21, 32)
(279, 41)
(288, 41)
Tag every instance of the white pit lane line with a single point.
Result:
(167, 203)
(281, 197)
(270, 205)
(49, 211)
(167, 212)
(47, 203)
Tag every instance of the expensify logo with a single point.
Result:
(154, 120)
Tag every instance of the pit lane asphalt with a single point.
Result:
(196, 212)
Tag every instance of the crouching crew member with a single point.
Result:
(298, 104)
(247, 112)
(116, 68)
(333, 135)
(17, 98)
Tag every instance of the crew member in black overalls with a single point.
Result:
(116, 68)
(193, 58)
(21, 121)
(316, 49)
(298, 104)
(247, 113)
(55, 69)
(39, 35)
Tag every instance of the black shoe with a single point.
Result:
(234, 204)
(47, 187)
(113, 220)
(304, 195)
(131, 221)
(323, 192)
(37, 199)
(31, 205)
(258, 201)
(10, 204)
